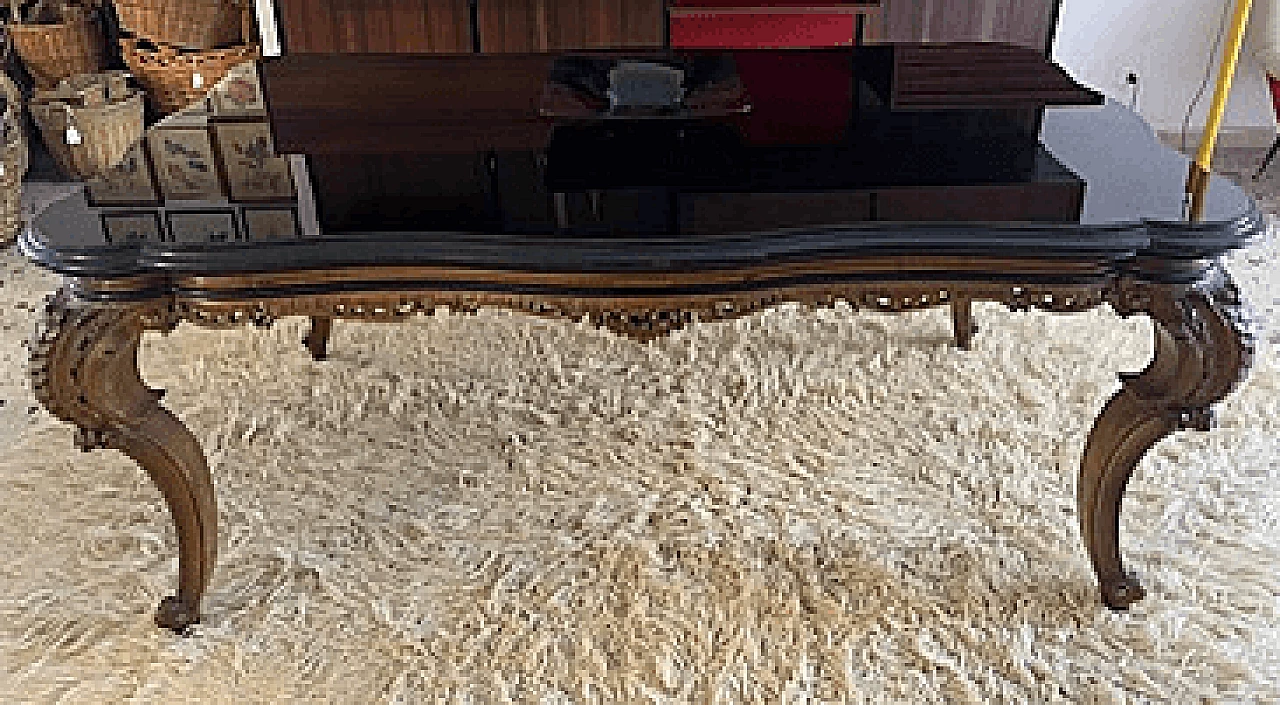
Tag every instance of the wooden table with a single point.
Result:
(911, 208)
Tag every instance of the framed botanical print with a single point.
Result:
(239, 94)
(255, 173)
(121, 227)
(266, 223)
(203, 226)
(185, 164)
(130, 183)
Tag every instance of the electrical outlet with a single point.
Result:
(1130, 79)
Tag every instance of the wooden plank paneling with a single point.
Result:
(1031, 24)
(375, 26)
(904, 20)
(513, 25)
(553, 25)
(1026, 23)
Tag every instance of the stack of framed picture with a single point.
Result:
(207, 174)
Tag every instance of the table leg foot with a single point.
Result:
(176, 613)
(317, 339)
(1121, 591)
(84, 367)
(1201, 352)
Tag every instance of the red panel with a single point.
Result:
(1274, 83)
(762, 30)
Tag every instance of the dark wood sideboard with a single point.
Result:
(446, 26)
(408, 186)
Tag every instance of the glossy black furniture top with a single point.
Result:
(1132, 206)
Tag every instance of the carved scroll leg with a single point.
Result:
(962, 321)
(1201, 352)
(317, 340)
(85, 371)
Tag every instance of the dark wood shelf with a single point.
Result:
(967, 75)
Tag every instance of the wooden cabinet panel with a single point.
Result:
(513, 25)
(375, 26)
(553, 25)
(1029, 23)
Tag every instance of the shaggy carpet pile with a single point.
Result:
(796, 507)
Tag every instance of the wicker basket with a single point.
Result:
(169, 74)
(52, 52)
(13, 157)
(193, 24)
(105, 113)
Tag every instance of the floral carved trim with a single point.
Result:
(1211, 323)
(638, 318)
(67, 340)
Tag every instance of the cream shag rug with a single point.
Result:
(823, 506)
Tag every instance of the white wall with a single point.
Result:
(1167, 43)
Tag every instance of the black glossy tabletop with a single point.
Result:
(1133, 206)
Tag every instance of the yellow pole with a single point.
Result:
(1198, 174)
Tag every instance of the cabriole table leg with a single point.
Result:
(1202, 350)
(84, 369)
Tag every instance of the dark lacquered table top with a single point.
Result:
(1133, 207)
